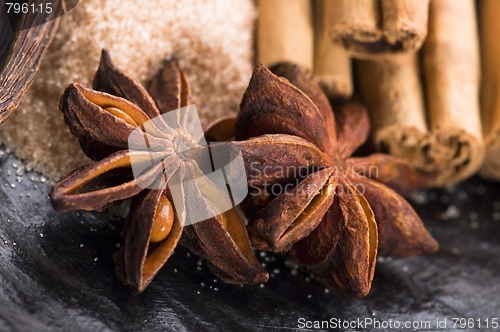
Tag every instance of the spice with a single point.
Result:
(334, 218)
(397, 111)
(450, 59)
(434, 124)
(103, 121)
(332, 63)
(374, 28)
(212, 39)
(285, 32)
(490, 87)
(23, 46)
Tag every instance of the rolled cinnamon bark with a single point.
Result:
(451, 71)
(371, 28)
(447, 143)
(392, 90)
(490, 89)
(332, 63)
(285, 32)
(405, 23)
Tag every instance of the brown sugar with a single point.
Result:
(211, 39)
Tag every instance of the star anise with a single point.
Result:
(332, 216)
(104, 120)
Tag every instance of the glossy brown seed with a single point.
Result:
(140, 259)
(162, 221)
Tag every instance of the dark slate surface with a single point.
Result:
(56, 272)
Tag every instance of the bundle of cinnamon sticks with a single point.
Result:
(295, 31)
(416, 65)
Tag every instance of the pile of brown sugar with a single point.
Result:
(212, 40)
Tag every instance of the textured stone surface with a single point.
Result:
(57, 273)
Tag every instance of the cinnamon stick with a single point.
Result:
(490, 88)
(285, 32)
(451, 71)
(445, 141)
(392, 90)
(371, 28)
(332, 63)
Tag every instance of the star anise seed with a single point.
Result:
(103, 121)
(334, 218)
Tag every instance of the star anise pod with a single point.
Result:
(104, 120)
(332, 216)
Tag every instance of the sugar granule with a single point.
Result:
(211, 39)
